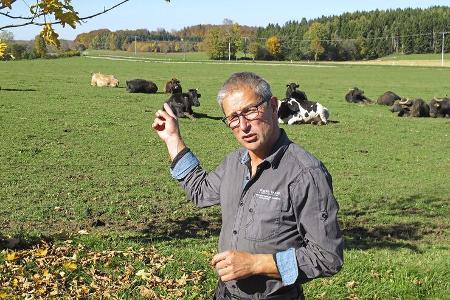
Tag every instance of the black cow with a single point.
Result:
(141, 86)
(411, 108)
(292, 92)
(173, 86)
(440, 107)
(355, 95)
(388, 98)
(181, 104)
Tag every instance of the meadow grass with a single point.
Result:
(72, 155)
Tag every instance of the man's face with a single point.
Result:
(257, 135)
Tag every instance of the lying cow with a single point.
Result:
(355, 95)
(141, 86)
(173, 86)
(411, 108)
(291, 111)
(99, 79)
(181, 104)
(440, 107)
(388, 98)
(292, 92)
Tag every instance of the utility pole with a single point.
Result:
(135, 45)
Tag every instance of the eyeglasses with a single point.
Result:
(249, 113)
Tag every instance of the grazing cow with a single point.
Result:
(440, 107)
(99, 79)
(411, 108)
(141, 86)
(292, 92)
(181, 104)
(355, 95)
(173, 86)
(291, 111)
(388, 98)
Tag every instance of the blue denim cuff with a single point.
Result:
(184, 165)
(287, 266)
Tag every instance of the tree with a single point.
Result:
(61, 11)
(315, 35)
(273, 45)
(5, 38)
(40, 48)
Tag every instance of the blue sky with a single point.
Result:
(153, 14)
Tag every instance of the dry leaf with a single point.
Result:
(351, 284)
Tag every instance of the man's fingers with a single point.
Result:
(218, 257)
(169, 110)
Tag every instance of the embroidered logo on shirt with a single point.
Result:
(267, 195)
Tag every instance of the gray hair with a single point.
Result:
(260, 86)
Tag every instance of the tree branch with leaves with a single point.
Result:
(46, 13)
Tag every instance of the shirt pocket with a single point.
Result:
(263, 218)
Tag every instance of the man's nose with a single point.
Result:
(243, 123)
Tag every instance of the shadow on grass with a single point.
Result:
(17, 90)
(200, 116)
(22, 242)
(189, 227)
(359, 233)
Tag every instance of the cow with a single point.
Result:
(99, 79)
(141, 86)
(292, 92)
(173, 86)
(411, 108)
(440, 107)
(355, 95)
(181, 103)
(388, 98)
(291, 111)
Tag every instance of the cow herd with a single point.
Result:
(180, 103)
(295, 108)
(404, 107)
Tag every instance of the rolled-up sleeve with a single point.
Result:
(315, 207)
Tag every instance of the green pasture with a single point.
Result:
(75, 157)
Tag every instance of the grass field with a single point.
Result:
(82, 170)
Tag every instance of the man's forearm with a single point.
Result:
(174, 146)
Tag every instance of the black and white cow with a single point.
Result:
(291, 111)
(440, 107)
(293, 92)
(141, 86)
(181, 103)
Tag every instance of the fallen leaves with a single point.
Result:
(73, 272)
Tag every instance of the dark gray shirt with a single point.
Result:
(288, 204)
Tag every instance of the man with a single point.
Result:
(279, 223)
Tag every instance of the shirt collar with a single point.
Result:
(275, 155)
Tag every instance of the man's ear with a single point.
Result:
(273, 102)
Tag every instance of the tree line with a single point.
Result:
(359, 35)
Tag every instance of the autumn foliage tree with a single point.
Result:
(273, 45)
(315, 35)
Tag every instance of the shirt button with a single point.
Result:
(250, 209)
(241, 203)
(234, 231)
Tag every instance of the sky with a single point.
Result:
(174, 15)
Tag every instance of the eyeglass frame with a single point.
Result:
(238, 115)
